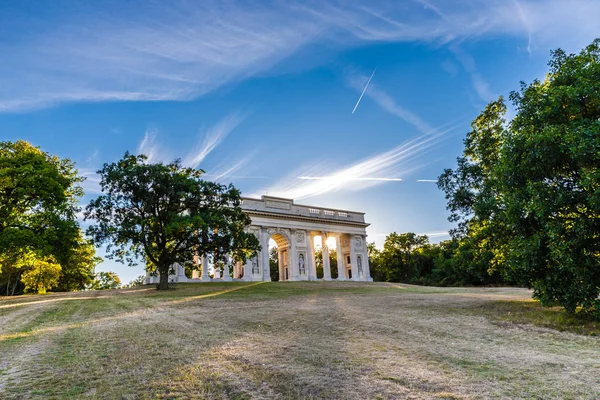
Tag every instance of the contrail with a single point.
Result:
(317, 178)
(364, 90)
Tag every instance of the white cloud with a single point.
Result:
(210, 139)
(91, 184)
(386, 102)
(382, 168)
(133, 51)
(151, 149)
(479, 83)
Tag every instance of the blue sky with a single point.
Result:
(261, 94)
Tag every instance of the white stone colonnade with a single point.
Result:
(293, 227)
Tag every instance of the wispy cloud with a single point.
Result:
(210, 139)
(386, 102)
(91, 184)
(480, 85)
(140, 51)
(365, 178)
(385, 167)
(526, 23)
(151, 149)
(427, 180)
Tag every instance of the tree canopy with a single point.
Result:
(38, 229)
(527, 192)
(166, 214)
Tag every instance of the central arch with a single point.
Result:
(282, 242)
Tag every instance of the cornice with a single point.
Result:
(296, 217)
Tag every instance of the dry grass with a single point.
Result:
(309, 340)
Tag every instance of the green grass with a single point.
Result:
(295, 340)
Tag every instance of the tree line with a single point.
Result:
(411, 258)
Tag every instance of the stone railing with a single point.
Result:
(286, 206)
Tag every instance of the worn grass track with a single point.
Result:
(295, 340)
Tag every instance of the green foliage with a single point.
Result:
(38, 202)
(139, 281)
(332, 263)
(106, 280)
(78, 263)
(527, 193)
(274, 263)
(410, 258)
(40, 274)
(166, 214)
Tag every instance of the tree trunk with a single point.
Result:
(163, 283)
(16, 283)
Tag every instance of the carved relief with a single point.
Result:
(300, 237)
(358, 241)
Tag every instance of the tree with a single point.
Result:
(395, 263)
(139, 281)
(77, 263)
(38, 202)
(274, 263)
(527, 193)
(41, 274)
(106, 280)
(166, 214)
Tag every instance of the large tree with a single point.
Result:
(38, 201)
(528, 192)
(166, 214)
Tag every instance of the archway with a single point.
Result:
(279, 259)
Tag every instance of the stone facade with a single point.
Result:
(294, 227)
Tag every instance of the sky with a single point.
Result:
(356, 105)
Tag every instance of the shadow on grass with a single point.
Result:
(532, 312)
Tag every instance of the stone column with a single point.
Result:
(293, 257)
(312, 264)
(248, 270)
(367, 267)
(353, 258)
(205, 277)
(226, 276)
(325, 253)
(180, 273)
(340, 260)
(280, 263)
(265, 254)
(216, 270)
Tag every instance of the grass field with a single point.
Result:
(295, 340)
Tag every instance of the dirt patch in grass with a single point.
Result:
(309, 340)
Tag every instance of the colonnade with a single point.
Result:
(296, 256)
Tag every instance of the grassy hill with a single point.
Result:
(294, 340)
